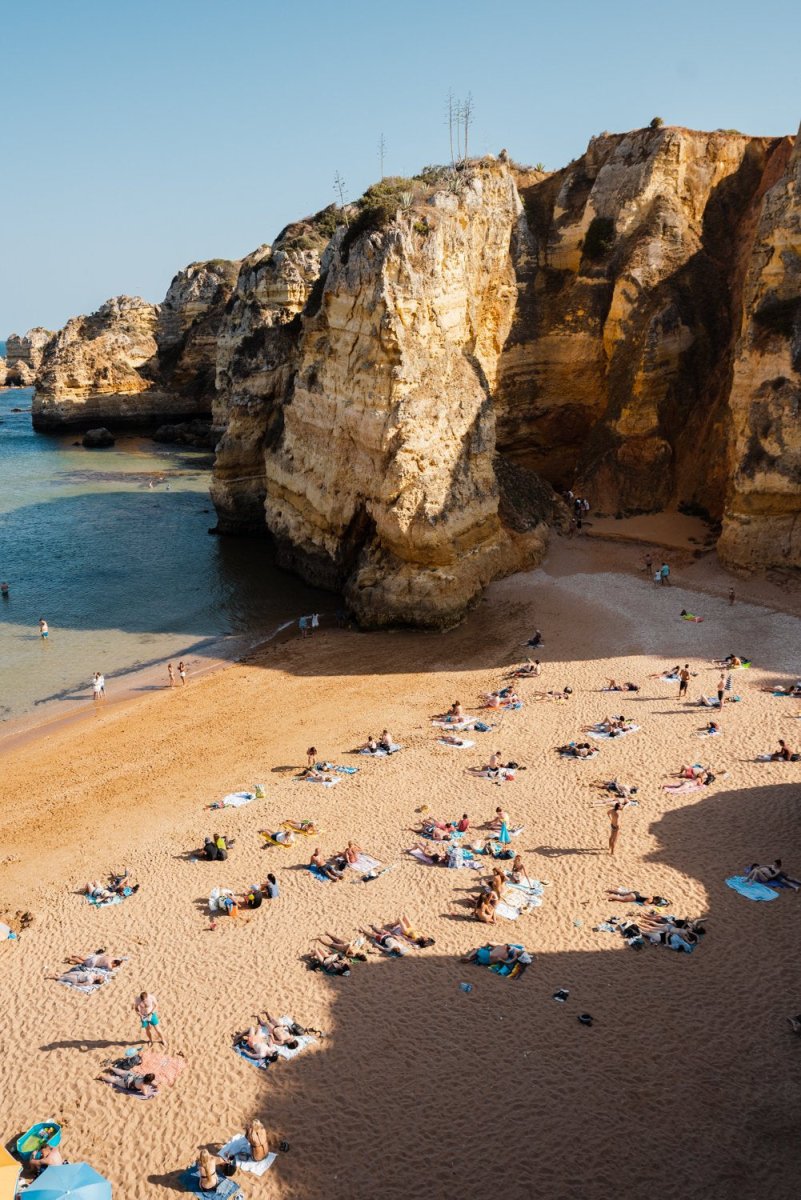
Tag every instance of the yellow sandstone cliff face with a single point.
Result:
(373, 415)
(762, 517)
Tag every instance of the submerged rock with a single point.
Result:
(97, 439)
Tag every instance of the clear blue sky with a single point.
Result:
(138, 137)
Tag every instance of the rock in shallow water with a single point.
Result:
(97, 439)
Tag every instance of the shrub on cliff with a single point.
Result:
(377, 207)
(656, 123)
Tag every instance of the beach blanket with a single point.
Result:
(333, 767)
(668, 679)
(456, 725)
(489, 773)
(165, 1067)
(68, 978)
(318, 874)
(328, 783)
(578, 757)
(599, 734)
(304, 1041)
(751, 891)
(381, 752)
(466, 744)
(364, 863)
(97, 902)
(235, 800)
(226, 1189)
(239, 1149)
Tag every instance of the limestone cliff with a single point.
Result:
(762, 517)
(24, 356)
(133, 363)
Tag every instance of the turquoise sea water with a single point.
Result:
(124, 574)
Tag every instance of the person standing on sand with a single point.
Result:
(731, 596)
(614, 820)
(684, 680)
(664, 575)
(44, 632)
(721, 690)
(96, 686)
(649, 564)
(145, 1007)
(182, 672)
(171, 674)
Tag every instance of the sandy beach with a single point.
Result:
(686, 1085)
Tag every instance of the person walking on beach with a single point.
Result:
(145, 1007)
(684, 680)
(171, 674)
(731, 596)
(44, 632)
(664, 574)
(98, 686)
(182, 672)
(721, 690)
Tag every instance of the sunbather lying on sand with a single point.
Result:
(630, 896)
(255, 1043)
(486, 955)
(100, 959)
(615, 787)
(81, 977)
(692, 771)
(276, 1030)
(436, 858)
(305, 827)
(327, 869)
(332, 963)
(564, 694)
(315, 775)
(350, 949)
(389, 942)
(403, 928)
(778, 690)
(609, 725)
(284, 837)
(578, 750)
(527, 670)
(613, 686)
(48, 1156)
(668, 673)
(772, 873)
(117, 886)
(449, 740)
(145, 1085)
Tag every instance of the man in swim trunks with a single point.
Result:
(44, 632)
(145, 1007)
(684, 680)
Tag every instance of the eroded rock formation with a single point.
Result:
(132, 363)
(24, 356)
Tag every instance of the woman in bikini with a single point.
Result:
(507, 954)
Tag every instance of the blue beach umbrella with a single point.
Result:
(78, 1181)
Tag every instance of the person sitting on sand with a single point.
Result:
(351, 853)
(507, 954)
(456, 712)
(530, 669)
(630, 896)
(711, 728)
(371, 744)
(497, 881)
(385, 742)
(253, 897)
(784, 753)
(46, 1156)
(320, 863)
(100, 960)
(500, 819)
(256, 1136)
(143, 1085)
(535, 640)
(350, 949)
(517, 872)
(771, 874)
(223, 845)
(484, 910)
(391, 943)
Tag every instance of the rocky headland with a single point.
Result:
(400, 387)
(23, 357)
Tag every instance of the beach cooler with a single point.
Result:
(9, 1174)
(44, 1133)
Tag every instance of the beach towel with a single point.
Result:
(364, 863)
(239, 1149)
(226, 1189)
(381, 752)
(165, 1067)
(668, 679)
(235, 800)
(318, 874)
(97, 902)
(328, 783)
(710, 732)
(712, 701)
(470, 863)
(304, 1041)
(334, 767)
(69, 979)
(507, 970)
(599, 734)
(466, 744)
(502, 909)
(751, 891)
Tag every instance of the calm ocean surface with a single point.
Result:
(125, 575)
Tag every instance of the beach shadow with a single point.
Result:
(172, 1179)
(559, 851)
(86, 1044)
(565, 1073)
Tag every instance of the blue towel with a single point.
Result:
(751, 891)
(115, 899)
(318, 874)
(262, 1065)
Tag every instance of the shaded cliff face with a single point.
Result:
(618, 368)
(133, 363)
(256, 360)
(762, 518)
